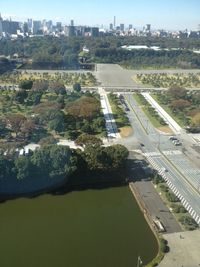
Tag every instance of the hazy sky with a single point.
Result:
(167, 14)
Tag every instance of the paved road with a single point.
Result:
(156, 207)
(159, 150)
(52, 71)
(112, 75)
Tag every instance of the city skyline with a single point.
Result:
(170, 15)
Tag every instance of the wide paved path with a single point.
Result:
(184, 250)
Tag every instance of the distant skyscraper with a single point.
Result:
(1, 26)
(49, 25)
(37, 25)
(70, 31)
(130, 26)
(30, 25)
(10, 27)
(94, 31)
(72, 22)
(114, 22)
(148, 27)
(59, 26)
(111, 27)
(25, 27)
(122, 27)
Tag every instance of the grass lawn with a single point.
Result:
(169, 111)
(118, 113)
(152, 119)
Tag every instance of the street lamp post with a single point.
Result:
(139, 261)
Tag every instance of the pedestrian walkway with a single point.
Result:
(111, 127)
(166, 117)
(184, 250)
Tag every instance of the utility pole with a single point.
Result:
(147, 126)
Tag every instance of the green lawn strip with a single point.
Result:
(168, 110)
(118, 113)
(152, 119)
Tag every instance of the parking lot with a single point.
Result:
(156, 206)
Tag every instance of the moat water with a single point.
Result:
(90, 228)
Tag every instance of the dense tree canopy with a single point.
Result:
(50, 52)
(86, 107)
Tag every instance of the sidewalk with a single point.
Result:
(184, 250)
(111, 127)
(166, 117)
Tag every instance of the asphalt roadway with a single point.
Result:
(156, 206)
(159, 151)
(112, 75)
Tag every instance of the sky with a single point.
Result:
(161, 14)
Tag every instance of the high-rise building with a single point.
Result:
(49, 25)
(37, 25)
(59, 26)
(114, 22)
(1, 26)
(10, 27)
(70, 31)
(72, 22)
(111, 27)
(148, 27)
(130, 26)
(95, 32)
(122, 27)
(25, 27)
(30, 25)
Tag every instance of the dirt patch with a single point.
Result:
(165, 129)
(126, 131)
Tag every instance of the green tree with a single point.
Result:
(20, 96)
(188, 222)
(26, 84)
(24, 167)
(118, 155)
(15, 122)
(53, 161)
(57, 124)
(2, 127)
(177, 92)
(6, 167)
(96, 158)
(77, 87)
(86, 139)
(58, 88)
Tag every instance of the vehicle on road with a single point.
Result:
(172, 138)
(159, 225)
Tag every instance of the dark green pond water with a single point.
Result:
(92, 228)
